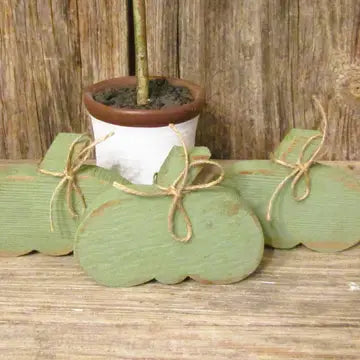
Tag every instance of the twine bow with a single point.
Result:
(300, 168)
(178, 189)
(69, 174)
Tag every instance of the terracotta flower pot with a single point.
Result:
(142, 138)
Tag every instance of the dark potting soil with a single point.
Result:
(162, 95)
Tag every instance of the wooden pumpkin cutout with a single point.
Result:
(174, 164)
(327, 220)
(124, 240)
(25, 195)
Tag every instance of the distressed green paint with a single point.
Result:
(25, 200)
(328, 220)
(123, 239)
(175, 161)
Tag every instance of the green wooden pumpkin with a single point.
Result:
(327, 220)
(25, 195)
(124, 240)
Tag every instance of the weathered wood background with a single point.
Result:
(259, 61)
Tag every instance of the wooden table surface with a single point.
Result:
(298, 305)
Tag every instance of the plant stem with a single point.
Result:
(142, 72)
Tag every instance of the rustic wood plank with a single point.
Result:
(260, 62)
(162, 36)
(20, 135)
(310, 48)
(192, 40)
(298, 305)
(231, 59)
(103, 39)
(103, 42)
(47, 62)
(50, 50)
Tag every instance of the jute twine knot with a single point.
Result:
(301, 168)
(178, 189)
(69, 174)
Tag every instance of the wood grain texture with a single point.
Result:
(229, 67)
(259, 61)
(175, 162)
(226, 243)
(298, 305)
(50, 50)
(327, 220)
(162, 35)
(25, 196)
(103, 41)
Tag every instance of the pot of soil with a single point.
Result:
(142, 138)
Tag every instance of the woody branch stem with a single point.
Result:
(142, 72)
